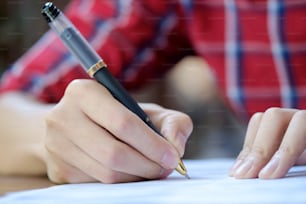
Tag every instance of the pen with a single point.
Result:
(94, 65)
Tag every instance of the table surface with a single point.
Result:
(20, 183)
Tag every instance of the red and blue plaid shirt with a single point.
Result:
(256, 48)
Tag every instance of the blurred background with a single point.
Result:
(21, 24)
(189, 87)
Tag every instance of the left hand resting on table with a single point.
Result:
(275, 141)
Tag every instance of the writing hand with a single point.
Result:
(92, 137)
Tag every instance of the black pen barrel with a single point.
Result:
(104, 77)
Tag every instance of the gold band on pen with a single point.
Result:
(96, 67)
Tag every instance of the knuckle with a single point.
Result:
(244, 152)
(78, 87)
(52, 119)
(274, 112)
(179, 120)
(123, 122)
(50, 145)
(53, 127)
(74, 87)
(153, 106)
(259, 152)
(111, 177)
(300, 115)
(185, 121)
(256, 117)
(289, 152)
(57, 174)
(57, 116)
(114, 157)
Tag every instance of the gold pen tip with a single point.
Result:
(182, 169)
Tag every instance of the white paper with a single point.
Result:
(209, 183)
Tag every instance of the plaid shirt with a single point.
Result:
(256, 48)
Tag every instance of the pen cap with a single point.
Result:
(71, 37)
(55, 18)
(50, 12)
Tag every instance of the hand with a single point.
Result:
(92, 137)
(275, 141)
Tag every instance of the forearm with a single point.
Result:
(21, 134)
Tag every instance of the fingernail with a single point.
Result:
(237, 163)
(164, 173)
(182, 142)
(169, 160)
(270, 168)
(182, 139)
(244, 168)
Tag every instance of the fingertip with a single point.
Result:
(164, 173)
(235, 166)
(169, 159)
(176, 138)
(270, 168)
(181, 143)
(243, 169)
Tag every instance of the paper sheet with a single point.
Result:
(209, 183)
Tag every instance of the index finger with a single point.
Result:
(175, 126)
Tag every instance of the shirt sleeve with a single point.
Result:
(138, 40)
